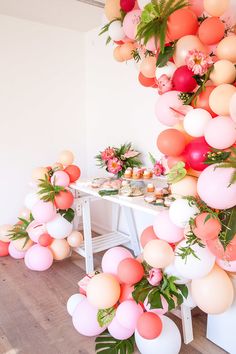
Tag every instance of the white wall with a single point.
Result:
(41, 103)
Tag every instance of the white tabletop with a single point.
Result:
(137, 203)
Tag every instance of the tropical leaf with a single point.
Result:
(177, 172)
(228, 221)
(68, 214)
(105, 316)
(106, 344)
(164, 57)
(47, 191)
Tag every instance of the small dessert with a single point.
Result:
(150, 198)
(159, 192)
(147, 174)
(159, 202)
(128, 173)
(150, 188)
(136, 173)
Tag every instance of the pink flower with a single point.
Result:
(158, 169)
(129, 154)
(107, 154)
(198, 62)
(155, 276)
(114, 165)
(164, 84)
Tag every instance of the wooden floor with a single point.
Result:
(33, 317)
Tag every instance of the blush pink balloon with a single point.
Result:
(151, 45)
(15, 253)
(36, 229)
(229, 266)
(165, 229)
(85, 319)
(130, 23)
(169, 108)
(118, 331)
(232, 107)
(38, 258)
(113, 257)
(214, 189)
(160, 311)
(60, 178)
(128, 314)
(220, 132)
(196, 6)
(43, 211)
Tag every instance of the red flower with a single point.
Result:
(107, 154)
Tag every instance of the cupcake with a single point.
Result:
(128, 173)
(150, 188)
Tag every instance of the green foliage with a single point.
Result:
(216, 156)
(228, 221)
(104, 192)
(106, 344)
(47, 190)
(68, 214)
(152, 158)
(230, 163)
(154, 17)
(186, 97)
(176, 173)
(104, 317)
(19, 230)
(165, 56)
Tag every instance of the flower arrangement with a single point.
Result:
(117, 160)
(158, 168)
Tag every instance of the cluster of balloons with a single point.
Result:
(48, 235)
(112, 289)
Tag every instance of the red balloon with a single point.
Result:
(4, 248)
(127, 5)
(149, 325)
(130, 271)
(147, 235)
(195, 153)
(171, 142)
(45, 240)
(73, 171)
(119, 42)
(64, 200)
(146, 81)
(183, 79)
(228, 254)
(202, 100)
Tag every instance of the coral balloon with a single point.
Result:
(45, 240)
(205, 227)
(187, 186)
(211, 30)
(195, 122)
(165, 229)
(228, 254)
(4, 246)
(232, 107)
(147, 235)
(126, 50)
(181, 23)
(113, 257)
(60, 178)
(131, 22)
(146, 81)
(149, 325)
(202, 100)
(224, 72)
(64, 200)
(118, 331)
(75, 239)
(183, 79)
(196, 153)
(148, 67)
(226, 49)
(171, 142)
(74, 172)
(66, 158)
(103, 291)
(60, 249)
(117, 54)
(112, 9)
(126, 292)
(127, 5)
(130, 271)
(158, 253)
(214, 189)
(220, 133)
(128, 314)
(59, 227)
(43, 211)
(184, 45)
(215, 7)
(15, 253)
(220, 97)
(38, 258)
(214, 293)
(4, 232)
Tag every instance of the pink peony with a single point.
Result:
(114, 165)
(155, 276)
(164, 84)
(107, 154)
(198, 62)
(158, 169)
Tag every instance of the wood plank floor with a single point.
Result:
(33, 317)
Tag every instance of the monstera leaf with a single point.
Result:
(106, 344)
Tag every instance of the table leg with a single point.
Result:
(132, 230)
(87, 237)
(187, 324)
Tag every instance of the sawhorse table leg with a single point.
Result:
(132, 230)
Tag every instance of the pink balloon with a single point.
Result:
(160, 311)
(36, 229)
(169, 108)
(214, 189)
(60, 178)
(130, 23)
(232, 107)
(85, 319)
(128, 313)
(197, 6)
(118, 331)
(43, 211)
(113, 257)
(14, 253)
(165, 229)
(38, 258)
(151, 45)
(229, 266)
(220, 132)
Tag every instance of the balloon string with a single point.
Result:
(176, 111)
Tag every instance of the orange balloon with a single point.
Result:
(228, 254)
(182, 23)
(117, 55)
(183, 46)
(202, 100)
(148, 67)
(4, 249)
(220, 97)
(206, 230)
(149, 325)
(171, 142)
(147, 235)
(126, 50)
(130, 271)
(211, 30)
(226, 49)
(112, 9)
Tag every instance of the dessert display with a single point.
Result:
(132, 189)
(138, 173)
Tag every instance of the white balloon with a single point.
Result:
(168, 342)
(59, 227)
(181, 212)
(30, 200)
(116, 31)
(189, 301)
(143, 3)
(195, 122)
(171, 270)
(73, 301)
(168, 70)
(194, 267)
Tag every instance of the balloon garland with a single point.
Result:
(44, 231)
(188, 53)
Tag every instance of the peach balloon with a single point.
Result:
(75, 239)
(126, 50)
(224, 72)
(20, 244)
(220, 97)
(183, 46)
(226, 49)
(66, 158)
(158, 254)
(4, 231)
(57, 166)
(24, 213)
(117, 55)
(214, 293)
(187, 186)
(206, 229)
(211, 31)
(148, 67)
(60, 249)
(103, 291)
(39, 173)
(112, 9)
(216, 7)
